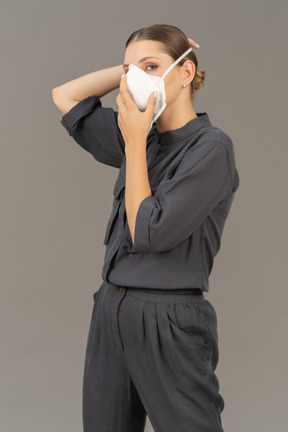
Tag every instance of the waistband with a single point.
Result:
(186, 295)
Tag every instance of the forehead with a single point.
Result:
(146, 48)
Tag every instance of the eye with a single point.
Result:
(152, 66)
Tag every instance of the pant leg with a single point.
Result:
(170, 347)
(110, 399)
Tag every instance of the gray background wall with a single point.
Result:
(55, 201)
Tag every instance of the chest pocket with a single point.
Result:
(118, 195)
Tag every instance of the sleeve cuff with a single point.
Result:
(78, 111)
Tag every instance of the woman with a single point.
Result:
(152, 347)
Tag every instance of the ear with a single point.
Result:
(189, 70)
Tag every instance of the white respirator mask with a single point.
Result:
(140, 86)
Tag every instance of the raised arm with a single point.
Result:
(97, 83)
(92, 126)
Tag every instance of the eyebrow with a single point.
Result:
(142, 60)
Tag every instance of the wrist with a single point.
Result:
(135, 147)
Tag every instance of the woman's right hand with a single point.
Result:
(193, 43)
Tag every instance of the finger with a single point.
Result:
(151, 104)
(128, 101)
(193, 43)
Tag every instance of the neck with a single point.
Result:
(175, 117)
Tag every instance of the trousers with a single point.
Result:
(151, 352)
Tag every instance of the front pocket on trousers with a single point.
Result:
(185, 319)
(188, 339)
(209, 318)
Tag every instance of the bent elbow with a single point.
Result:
(61, 101)
(55, 95)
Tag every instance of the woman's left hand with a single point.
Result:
(134, 124)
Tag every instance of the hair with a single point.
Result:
(175, 43)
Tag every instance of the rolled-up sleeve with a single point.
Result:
(96, 129)
(181, 203)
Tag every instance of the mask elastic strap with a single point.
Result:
(176, 61)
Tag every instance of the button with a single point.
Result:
(122, 289)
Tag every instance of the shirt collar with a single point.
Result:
(172, 136)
